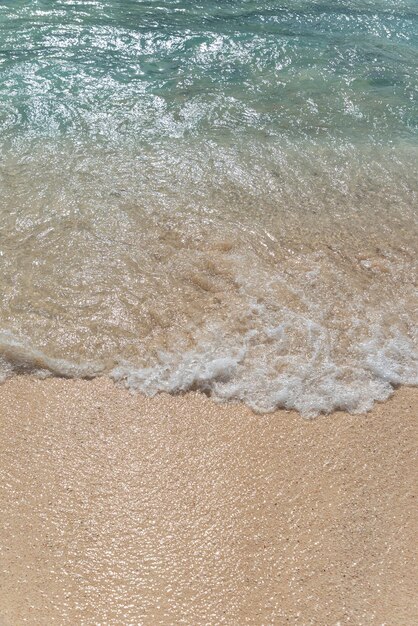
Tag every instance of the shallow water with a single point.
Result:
(219, 197)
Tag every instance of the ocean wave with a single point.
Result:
(256, 368)
(220, 198)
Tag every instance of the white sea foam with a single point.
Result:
(310, 386)
(255, 368)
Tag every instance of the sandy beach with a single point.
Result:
(118, 509)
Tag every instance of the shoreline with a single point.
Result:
(116, 508)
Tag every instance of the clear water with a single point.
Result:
(218, 196)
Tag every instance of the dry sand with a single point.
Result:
(117, 509)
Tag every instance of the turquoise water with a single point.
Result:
(218, 196)
(154, 70)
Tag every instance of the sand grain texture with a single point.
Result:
(118, 509)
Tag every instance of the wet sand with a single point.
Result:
(118, 509)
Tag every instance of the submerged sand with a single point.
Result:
(118, 509)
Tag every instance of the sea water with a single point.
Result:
(217, 196)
